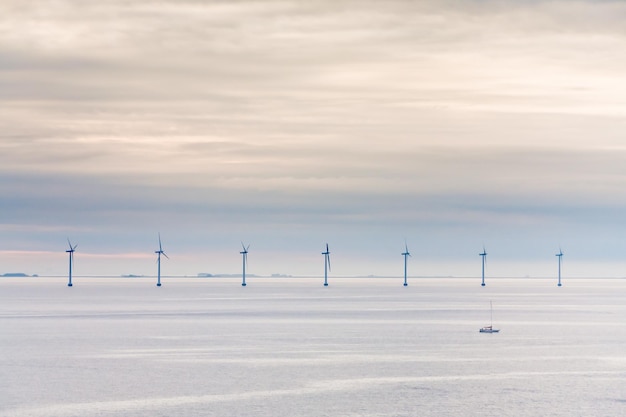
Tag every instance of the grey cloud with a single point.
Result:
(338, 117)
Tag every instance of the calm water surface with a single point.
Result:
(290, 347)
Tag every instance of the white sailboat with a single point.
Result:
(489, 329)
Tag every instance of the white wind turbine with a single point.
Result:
(244, 260)
(326, 265)
(159, 253)
(405, 254)
(560, 256)
(71, 253)
(484, 256)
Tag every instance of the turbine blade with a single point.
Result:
(247, 247)
(328, 260)
(164, 254)
(160, 247)
(69, 243)
(327, 247)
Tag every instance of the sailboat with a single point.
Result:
(489, 329)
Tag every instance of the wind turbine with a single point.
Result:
(159, 253)
(560, 255)
(326, 265)
(484, 256)
(71, 252)
(405, 254)
(244, 256)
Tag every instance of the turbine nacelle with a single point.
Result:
(160, 251)
(72, 248)
(327, 255)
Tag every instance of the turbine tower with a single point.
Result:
(405, 254)
(244, 256)
(484, 256)
(159, 253)
(71, 253)
(560, 256)
(326, 265)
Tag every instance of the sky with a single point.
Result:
(286, 125)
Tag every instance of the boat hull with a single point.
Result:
(488, 330)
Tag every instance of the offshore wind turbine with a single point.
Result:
(560, 256)
(484, 256)
(326, 265)
(405, 254)
(159, 253)
(244, 256)
(71, 253)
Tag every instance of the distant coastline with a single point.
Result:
(17, 275)
(288, 276)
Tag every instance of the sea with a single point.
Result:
(292, 347)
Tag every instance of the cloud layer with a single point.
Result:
(290, 123)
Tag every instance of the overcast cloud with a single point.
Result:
(288, 124)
